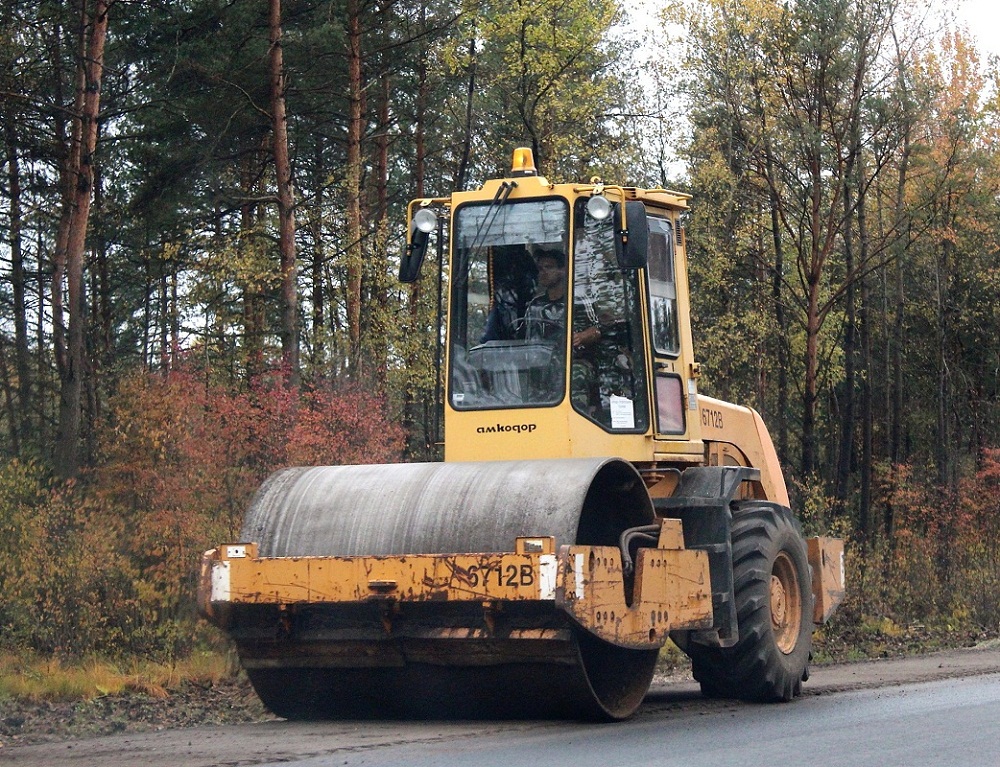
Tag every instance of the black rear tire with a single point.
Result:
(774, 606)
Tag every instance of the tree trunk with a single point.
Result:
(8, 399)
(899, 300)
(867, 416)
(846, 399)
(810, 387)
(147, 315)
(378, 333)
(80, 168)
(781, 408)
(352, 181)
(853, 182)
(175, 320)
(100, 356)
(943, 443)
(286, 203)
(414, 405)
(466, 156)
(318, 260)
(164, 322)
(22, 356)
(69, 147)
(102, 295)
(42, 366)
(253, 300)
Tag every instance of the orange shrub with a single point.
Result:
(111, 563)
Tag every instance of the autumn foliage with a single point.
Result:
(108, 564)
(935, 568)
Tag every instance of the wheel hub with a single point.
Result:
(786, 603)
(778, 602)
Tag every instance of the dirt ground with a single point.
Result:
(25, 722)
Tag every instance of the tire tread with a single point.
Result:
(755, 669)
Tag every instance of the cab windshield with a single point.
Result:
(508, 312)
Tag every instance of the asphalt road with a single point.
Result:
(917, 712)
(953, 722)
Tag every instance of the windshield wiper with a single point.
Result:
(503, 192)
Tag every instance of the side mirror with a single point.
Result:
(632, 242)
(413, 259)
(423, 223)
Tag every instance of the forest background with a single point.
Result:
(202, 211)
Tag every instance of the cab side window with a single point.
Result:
(663, 287)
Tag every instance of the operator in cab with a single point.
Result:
(545, 315)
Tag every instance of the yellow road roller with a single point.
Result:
(591, 504)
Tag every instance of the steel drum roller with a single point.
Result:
(438, 508)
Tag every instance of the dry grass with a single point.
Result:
(36, 678)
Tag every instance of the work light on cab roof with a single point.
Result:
(523, 163)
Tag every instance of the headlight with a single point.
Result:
(598, 207)
(425, 220)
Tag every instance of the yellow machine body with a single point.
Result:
(673, 589)
(573, 526)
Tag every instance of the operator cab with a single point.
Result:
(563, 318)
(538, 297)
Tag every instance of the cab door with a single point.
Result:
(670, 414)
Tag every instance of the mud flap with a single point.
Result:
(826, 558)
